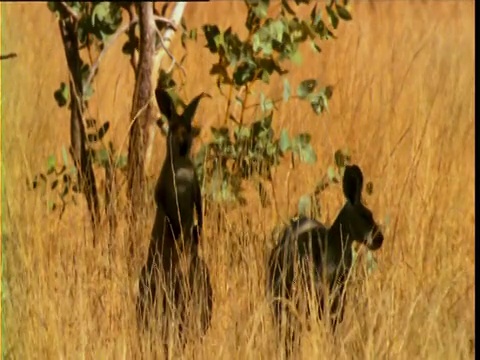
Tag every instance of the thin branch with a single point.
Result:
(72, 12)
(115, 36)
(168, 52)
(170, 22)
(166, 40)
(131, 37)
(112, 39)
(8, 56)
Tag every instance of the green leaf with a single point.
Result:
(304, 204)
(64, 156)
(328, 91)
(369, 188)
(333, 17)
(286, 90)
(51, 205)
(331, 173)
(343, 13)
(241, 133)
(302, 147)
(54, 184)
(192, 34)
(244, 73)
(287, 7)
(91, 122)
(296, 58)
(342, 158)
(52, 6)
(51, 163)
(220, 136)
(131, 45)
(221, 71)
(121, 162)
(315, 47)
(284, 142)
(266, 104)
(100, 11)
(306, 87)
(212, 34)
(62, 94)
(319, 103)
(100, 133)
(102, 156)
(87, 92)
(371, 262)
(315, 17)
(261, 7)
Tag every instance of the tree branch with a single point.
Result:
(72, 12)
(165, 42)
(107, 46)
(8, 56)
(114, 37)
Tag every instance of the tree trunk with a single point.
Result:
(81, 158)
(141, 117)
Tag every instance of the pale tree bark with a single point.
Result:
(167, 37)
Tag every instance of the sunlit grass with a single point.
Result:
(402, 103)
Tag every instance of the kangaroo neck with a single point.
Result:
(175, 159)
(338, 235)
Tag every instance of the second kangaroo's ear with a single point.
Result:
(165, 104)
(191, 108)
(353, 183)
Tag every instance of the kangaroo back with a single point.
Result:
(305, 241)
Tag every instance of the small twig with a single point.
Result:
(167, 21)
(131, 37)
(168, 52)
(70, 10)
(8, 56)
(112, 39)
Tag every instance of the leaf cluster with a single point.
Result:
(253, 148)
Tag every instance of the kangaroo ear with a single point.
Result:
(353, 183)
(165, 104)
(191, 108)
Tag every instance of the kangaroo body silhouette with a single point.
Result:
(174, 275)
(308, 253)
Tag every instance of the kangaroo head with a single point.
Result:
(180, 129)
(356, 219)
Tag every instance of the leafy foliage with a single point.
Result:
(58, 184)
(241, 149)
(308, 203)
(251, 149)
(97, 21)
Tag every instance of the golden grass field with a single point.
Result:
(403, 104)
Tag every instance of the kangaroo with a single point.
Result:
(326, 253)
(174, 236)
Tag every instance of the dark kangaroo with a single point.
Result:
(174, 237)
(326, 253)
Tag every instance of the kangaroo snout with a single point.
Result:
(375, 239)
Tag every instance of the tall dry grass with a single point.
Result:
(403, 103)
